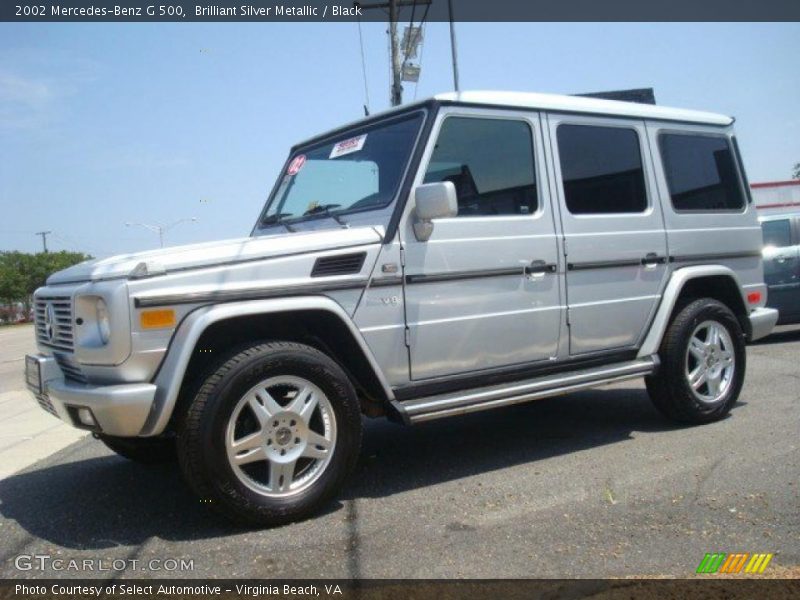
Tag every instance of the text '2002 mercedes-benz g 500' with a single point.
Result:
(463, 253)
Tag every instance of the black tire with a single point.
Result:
(670, 389)
(201, 434)
(147, 451)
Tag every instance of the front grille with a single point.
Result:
(62, 327)
(70, 368)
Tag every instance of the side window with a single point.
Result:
(491, 164)
(777, 233)
(601, 168)
(701, 172)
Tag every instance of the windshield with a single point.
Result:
(357, 171)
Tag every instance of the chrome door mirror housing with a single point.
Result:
(433, 201)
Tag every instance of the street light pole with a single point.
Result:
(160, 229)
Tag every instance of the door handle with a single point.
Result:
(651, 259)
(539, 267)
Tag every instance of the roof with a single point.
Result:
(553, 102)
(582, 104)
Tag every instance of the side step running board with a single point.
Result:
(447, 405)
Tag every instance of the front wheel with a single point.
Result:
(272, 434)
(702, 364)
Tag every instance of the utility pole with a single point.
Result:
(396, 90)
(397, 87)
(453, 45)
(44, 235)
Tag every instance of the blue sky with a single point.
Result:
(101, 124)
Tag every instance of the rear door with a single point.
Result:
(484, 292)
(613, 228)
(782, 266)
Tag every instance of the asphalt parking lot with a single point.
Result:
(595, 484)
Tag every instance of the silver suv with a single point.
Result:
(467, 252)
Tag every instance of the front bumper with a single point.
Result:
(762, 322)
(119, 410)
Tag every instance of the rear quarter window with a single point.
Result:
(701, 172)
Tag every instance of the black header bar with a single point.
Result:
(291, 11)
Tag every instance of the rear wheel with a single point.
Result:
(272, 434)
(702, 364)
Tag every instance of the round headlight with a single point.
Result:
(103, 324)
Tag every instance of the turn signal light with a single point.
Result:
(754, 297)
(157, 319)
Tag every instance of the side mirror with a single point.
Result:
(433, 201)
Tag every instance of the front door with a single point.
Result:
(616, 247)
(483, 291)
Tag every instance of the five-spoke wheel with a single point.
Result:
(702, 363)
(281, 436)
(271, 434)
(710, 361)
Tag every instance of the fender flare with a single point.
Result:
(173, 368)
(669, 298)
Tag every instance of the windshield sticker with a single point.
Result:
(348, 146)
(296, 164)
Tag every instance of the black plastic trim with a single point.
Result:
(338, 264)
(712, 257)
(487, 377)
(249, 294)
(385, 282)
(459, 275)
(604, 264)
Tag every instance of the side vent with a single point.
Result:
(343, 264)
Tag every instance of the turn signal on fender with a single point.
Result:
(157, 319)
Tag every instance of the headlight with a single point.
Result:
(103, 323)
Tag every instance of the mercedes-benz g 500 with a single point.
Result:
(463, 253)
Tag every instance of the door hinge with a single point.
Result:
(402, 257)
(565, 245)
(408, 337)
(568, 323)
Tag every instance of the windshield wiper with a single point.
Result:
(278, 219)
(325, 210)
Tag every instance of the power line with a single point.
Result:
(363, 68)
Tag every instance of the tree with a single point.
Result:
(21, 273)
(796, 172)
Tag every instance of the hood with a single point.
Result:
(209, 254)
